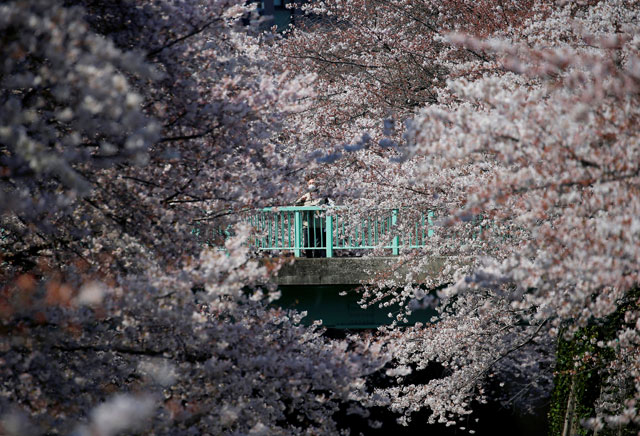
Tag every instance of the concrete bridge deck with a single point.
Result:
(350, 270)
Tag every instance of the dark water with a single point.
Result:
(491, 421)
(325, 302)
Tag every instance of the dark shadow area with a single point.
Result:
(490, 419)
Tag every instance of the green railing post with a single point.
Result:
(395, 245)
(329, 230)
(297, 252)
(430, 221)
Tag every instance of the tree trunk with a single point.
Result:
(570, 425)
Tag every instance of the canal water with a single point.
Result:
(325, 302)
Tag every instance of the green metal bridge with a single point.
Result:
(329, 244)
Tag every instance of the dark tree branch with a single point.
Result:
(194, 32)
(186, 137)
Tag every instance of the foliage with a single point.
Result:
(583, 369)
(576, 375)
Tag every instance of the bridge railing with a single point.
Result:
(318, 231)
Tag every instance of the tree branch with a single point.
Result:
(197, 30)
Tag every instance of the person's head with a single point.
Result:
(311, 185)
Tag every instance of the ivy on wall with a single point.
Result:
(581, 370)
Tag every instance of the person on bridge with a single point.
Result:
(314, 235)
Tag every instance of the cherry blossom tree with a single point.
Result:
(376, 64)
(217, 108)
(564, 169)
(124, 125)
(521, 136)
